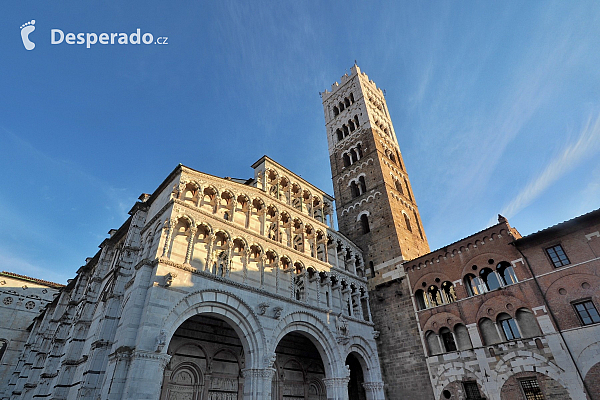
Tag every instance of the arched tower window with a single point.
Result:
(351, 125)
(364, 224)
(448, 292)
(420, 299)
(336, 111)
(347, 162)
(398, 186)
(435, 296)
(354, 156)
(407, 221)
(354, 189)
(490, 279)
(448, 339)
(356, 121)
(507, 273)
(509, 327)
(363, 185)
(408, 189)
(340, 134)
(474, 285)
(359, 150)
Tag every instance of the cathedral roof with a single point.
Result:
(29, 279)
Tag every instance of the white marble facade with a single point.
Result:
(193, 296)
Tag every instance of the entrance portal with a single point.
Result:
(300, 370)
(207, 357)
(356, 391)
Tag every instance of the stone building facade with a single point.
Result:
(214, 288)
(23, 298)
(511, 317)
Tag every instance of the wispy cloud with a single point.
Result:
(18, 265)
(586, 145)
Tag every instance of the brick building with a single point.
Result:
(510, 317)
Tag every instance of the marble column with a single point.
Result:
(257, 383)
(337, 388)
(374, 390)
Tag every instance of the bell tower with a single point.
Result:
(375, 203)
(377, 210)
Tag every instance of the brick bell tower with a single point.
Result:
(377, 210)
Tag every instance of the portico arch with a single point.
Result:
(223, 305)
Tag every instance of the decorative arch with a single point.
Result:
(225, 305)
(542, 365)
(367, 354)
(318, 333)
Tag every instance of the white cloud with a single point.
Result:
(587, 144)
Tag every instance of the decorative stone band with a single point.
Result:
(373, 386)
(159, 357)
(331, 383)
(266, 373)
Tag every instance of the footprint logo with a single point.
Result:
(26, 29)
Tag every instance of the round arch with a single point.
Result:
(223, 305)
(318, 333)
(366, 357)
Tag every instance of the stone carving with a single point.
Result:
(262, 308)
(223, 384)
(169, 279)
(277, 312)
(375, 334)
(270, 360)
(222, 396)
(341, 325)
(161, 340)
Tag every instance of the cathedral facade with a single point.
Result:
(214, 288)
(227, 289)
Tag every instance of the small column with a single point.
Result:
(245, 257)
(233, 208)
(277, 268)
(257, 383)
(217, 203)
(358, 305)
(306, 284)
(337, 388)
(211, 241)
(170, 226)
(229, 251)
(366, 297)
(188, 253)
(374, 390)
(263, 259)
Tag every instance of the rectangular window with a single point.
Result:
(471, 390)
(587, 312)
(531, 389)
(558, 256)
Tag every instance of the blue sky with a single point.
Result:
(496, 106)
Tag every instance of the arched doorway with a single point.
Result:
(206, 359)
(356, 391)
(299, 370)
